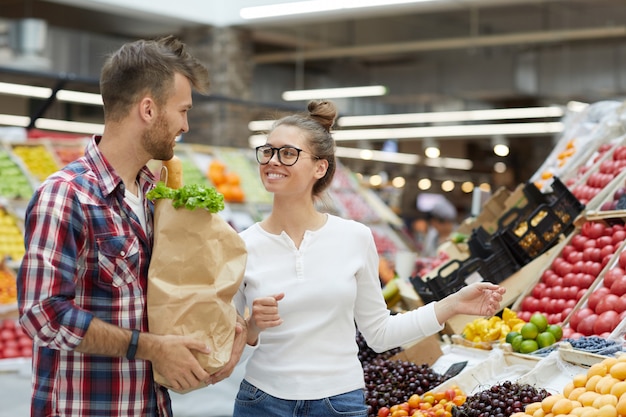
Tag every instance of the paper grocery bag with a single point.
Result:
(198, 262)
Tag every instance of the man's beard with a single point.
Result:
(157, 140)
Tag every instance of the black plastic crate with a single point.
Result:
(490, 260)
(531, 230)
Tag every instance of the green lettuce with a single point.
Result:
(191, 196)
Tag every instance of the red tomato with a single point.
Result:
(611, 275)
(606, 322)
(586, 325)
(607, 303)
(596, 296)
(619, 286)
(578, 315)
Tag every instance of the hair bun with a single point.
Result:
(323, 111)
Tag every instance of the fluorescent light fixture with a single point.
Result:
(260, 125)
(52, 124)
(450, 163)
(79, 97)
(373, 155)
(452, 116)
(313, 6)
(45, 92)
(10, 120)
(67, 126)
(449, 131)
(343, 92)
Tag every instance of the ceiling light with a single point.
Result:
(45, 92)
(313, 6)
(67, 126)
(79, 97)
(327, 93)
(499, 167)
(431, 150)
(447, 186)
(500, 145)
(398, 182)
(452, 116)
(449, 131)
(376, 180)
(10, 120)
(424, 184)
(467, 187)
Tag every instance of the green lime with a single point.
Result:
(539, 320)
(510, 335)
(529, 331)
(545, 339)
(556, 330)
(528, 346)
(517, 342)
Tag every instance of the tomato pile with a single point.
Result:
(606, 305)
(572, 273)
(14, 343)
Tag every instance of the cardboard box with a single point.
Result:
(427, 350)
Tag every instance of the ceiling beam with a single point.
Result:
(550, 36)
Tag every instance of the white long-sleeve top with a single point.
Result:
(330, 283)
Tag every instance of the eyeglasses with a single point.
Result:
(287, 155)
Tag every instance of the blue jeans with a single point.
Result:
(252, 402)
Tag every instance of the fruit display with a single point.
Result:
(37, 159)
(600, 178)
(8, 288)
(14, 183)
(226, 182)
(600, 154)
(392, 382)
(535, 334)
(572, 272)
(440, 403)
(561, 159)
(14, 343)
(492, 329)
(11, 236)
(247, 168)
(615, 200)
(68, 153)
(502, 399)
(353, 205)
(600, 391)
(606, 304)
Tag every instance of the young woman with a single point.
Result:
(312, 279)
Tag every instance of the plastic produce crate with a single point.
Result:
(530, 230)
(490, 260)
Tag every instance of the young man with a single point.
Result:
(89, 232)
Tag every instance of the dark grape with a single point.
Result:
(500, 400)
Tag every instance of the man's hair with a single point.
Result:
(147, 67)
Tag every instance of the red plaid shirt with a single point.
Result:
(86, 256)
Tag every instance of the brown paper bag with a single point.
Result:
(197, 264)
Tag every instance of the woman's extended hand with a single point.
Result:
(479, 299)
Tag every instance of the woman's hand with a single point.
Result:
(479, 299)
(264, 315)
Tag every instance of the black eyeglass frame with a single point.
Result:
(276, 151)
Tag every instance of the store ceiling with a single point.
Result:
(432, 55)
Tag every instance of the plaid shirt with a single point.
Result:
(87, 256)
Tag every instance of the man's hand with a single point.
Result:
(172, 357)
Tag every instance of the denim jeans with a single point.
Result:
(252, 402)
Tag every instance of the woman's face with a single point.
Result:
(295, 179)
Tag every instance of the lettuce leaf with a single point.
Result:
(191, 196)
